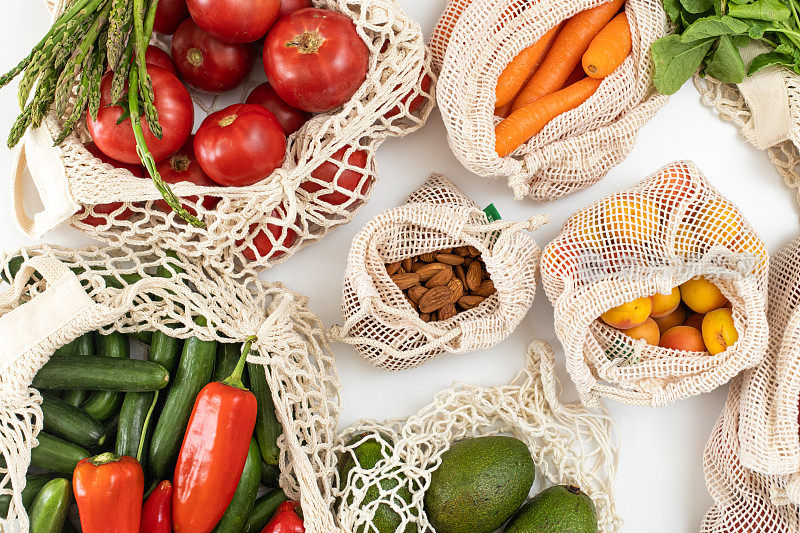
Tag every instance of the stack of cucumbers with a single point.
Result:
(96, 398)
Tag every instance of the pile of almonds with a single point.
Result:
(441, 284)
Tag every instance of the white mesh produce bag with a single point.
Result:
(59, 294)
(472, 44)
(378, 319)
(71, 181)
(667, 229)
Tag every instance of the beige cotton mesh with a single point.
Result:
(287, 215)
(665, 230)
(378, 319)
(569, 444)
(741, 496)
(577, 148)
(60, 294)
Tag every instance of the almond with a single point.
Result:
(392, 268)
(474, 276)
(469, 301)
(457, 288)
(447, 312)
(473, 252)
(406, 263)
(486, 288)
(416, 265)
(426, 317)
(463, 251)
(416, 292)
(434, 299)
(428, 258)
(405, 281)
(426, 272)
(460, 274)
(442, 277)
(450, 259)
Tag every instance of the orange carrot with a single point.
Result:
(526, 122)
(504, 111)
(609, 48)
(520, 69)
(576, 75)
(566, 52)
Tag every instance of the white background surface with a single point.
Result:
(660, 485)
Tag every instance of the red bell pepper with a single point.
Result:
(108, 490)
(286, 520)
(157, 510)
(213, 452)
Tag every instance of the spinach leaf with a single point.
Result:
(697, 6)
(714, 26)
(740, 41)
(767, 59)
(675, 62)
(770, 10)
(758, 28)
(673, 10)
(726, 63)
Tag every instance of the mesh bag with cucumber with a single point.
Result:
(670, 229)
(473, 43)
(388, 327)
(250, 227)
(70, 388)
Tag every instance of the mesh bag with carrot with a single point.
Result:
(671, 235)
(551, 97)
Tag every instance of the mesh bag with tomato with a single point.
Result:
(386, 325)
(69, 293)
(274, 165)
(523, 97)
(622, 257)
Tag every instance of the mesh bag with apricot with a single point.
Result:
(694, 317)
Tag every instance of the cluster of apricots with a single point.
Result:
(694, 317)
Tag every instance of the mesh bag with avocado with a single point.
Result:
(436, 275)
(659, 291)
(768, 433)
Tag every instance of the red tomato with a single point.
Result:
(208, 64)
(349, 179)
(315, 59)
(158, 57)
(182, 166)
(235, 21)
(169, 15)
(240, 145)
(262, 242)
(287, 6)
(290, 119)
(107, 209)
(414, 104)
(175, 114)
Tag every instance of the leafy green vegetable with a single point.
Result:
(697, 6)
(767, 59)
(714, 26)
(769, 10)
(726, 63)
(675, 62)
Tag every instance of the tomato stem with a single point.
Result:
(235, 379)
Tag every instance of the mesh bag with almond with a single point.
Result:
(659, 291)
(436, 275)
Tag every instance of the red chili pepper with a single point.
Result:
(157, 510)
(213, 452)
(108, 490)
(286, 520)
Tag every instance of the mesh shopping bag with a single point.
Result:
(669, 228)
(475, 40)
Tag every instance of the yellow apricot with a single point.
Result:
(702, 296)
(647, 330)
(629, 314)
(683, 338)
(718, 330)
(675, 318)
(664, 304)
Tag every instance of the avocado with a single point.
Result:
(559, 509)
(366, 455)
(479, 484)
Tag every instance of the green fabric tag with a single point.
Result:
(491, 213)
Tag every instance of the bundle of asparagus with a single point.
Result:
(90, 37)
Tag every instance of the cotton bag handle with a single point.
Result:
(29, 324)
(50, 178)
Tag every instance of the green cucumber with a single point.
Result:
(85, 346)
(194, 371)
(57, 454)
(270, 475)
(132, 417)
(33, 484)
(101, 374)
(49, 510)
(227, 356)
(105, 403)
(109, 433)
(69, 422)
(268, 428)
(164, 350)
(67, 350)
(263, 511)
(245, 496)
